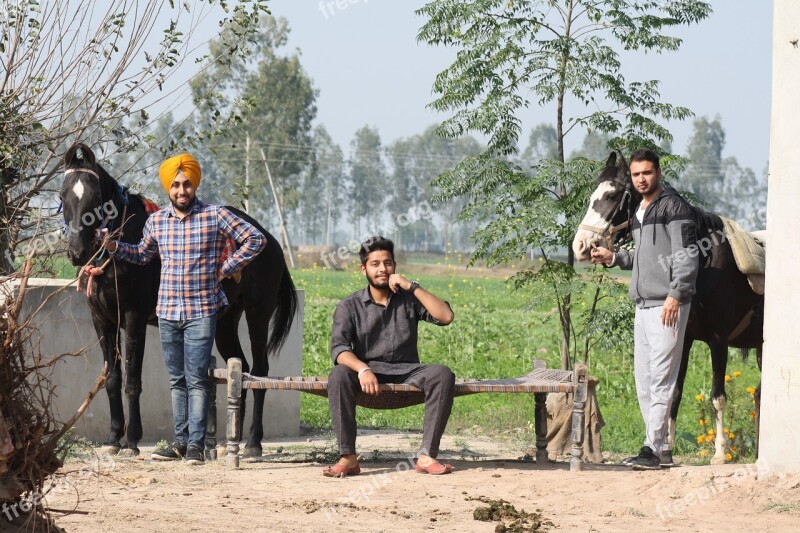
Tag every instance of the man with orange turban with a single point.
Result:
(189, 237)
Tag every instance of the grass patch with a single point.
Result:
(498, 333)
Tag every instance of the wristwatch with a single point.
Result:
(413, 287)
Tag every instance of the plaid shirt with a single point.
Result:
(190, 250)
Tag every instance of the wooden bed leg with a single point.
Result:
(211, 425)
(580, 381)
(234, 413)
(540, 418)
(541, 427)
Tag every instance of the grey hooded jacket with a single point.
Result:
(666, 259)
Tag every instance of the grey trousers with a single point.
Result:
(436, 381)
(656, 361)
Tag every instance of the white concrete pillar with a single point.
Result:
(780, 390)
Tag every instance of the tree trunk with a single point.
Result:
(6, 257)
(566, 320)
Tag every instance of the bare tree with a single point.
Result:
(94, 70)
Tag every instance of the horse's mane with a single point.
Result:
(706, 221)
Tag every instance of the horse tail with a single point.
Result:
(284, 313)
(745, 353)
(71, 159)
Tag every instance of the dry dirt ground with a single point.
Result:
(281, 493)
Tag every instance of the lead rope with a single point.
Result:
(92, 271)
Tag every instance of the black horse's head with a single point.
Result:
(87, 196)
(608, 218)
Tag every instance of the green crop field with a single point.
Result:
(497, 333)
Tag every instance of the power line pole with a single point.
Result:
(284, 233)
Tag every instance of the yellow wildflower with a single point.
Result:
(728, 457)
(701, 439)
(751, 391)
(752, 414)
(700, 397)
(703, 421)
(727, 378)
(709, 438)
(737, 374)
(704, 453)
(712, 431)
(734, 449)
(731, 435)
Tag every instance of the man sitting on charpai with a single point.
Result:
(374, 341)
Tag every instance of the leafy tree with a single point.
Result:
(367, 178)
(721, 184)
(542, 144)
(415, 163)
(269, 103)
(87, 71)
(512, 54)
(703, 175)
(743, 195)
(595, 146)
(323, 189)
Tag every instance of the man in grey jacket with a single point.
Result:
(665, 266)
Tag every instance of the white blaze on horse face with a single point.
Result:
(581, 245)
(77, 189)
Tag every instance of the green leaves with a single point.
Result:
(261, 97)
(515, 55)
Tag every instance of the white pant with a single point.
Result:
(656, 361)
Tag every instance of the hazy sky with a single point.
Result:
(365, 60)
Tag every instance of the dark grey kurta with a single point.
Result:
(383, 337)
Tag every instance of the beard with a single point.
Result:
(182, 208)
(377, 285)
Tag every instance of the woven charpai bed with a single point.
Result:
(538, 382)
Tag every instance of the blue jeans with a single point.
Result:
(186, 345)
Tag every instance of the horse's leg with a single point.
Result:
(228, 345)
(719, 364)
(757, 398)
(675, 402)
(258, 318)
(135, 334)
(109, 341)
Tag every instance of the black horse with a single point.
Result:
(725, 311)
(124, 296)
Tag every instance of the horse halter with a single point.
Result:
(607, 234)
(87, 170)
(107, 222)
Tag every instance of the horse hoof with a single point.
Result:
(211, 454)
(110, 449)
(718, 460)
(251, 452)
(222, 450)
(128, 453)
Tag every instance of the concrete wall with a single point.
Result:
(780, 389)
(65, 326)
